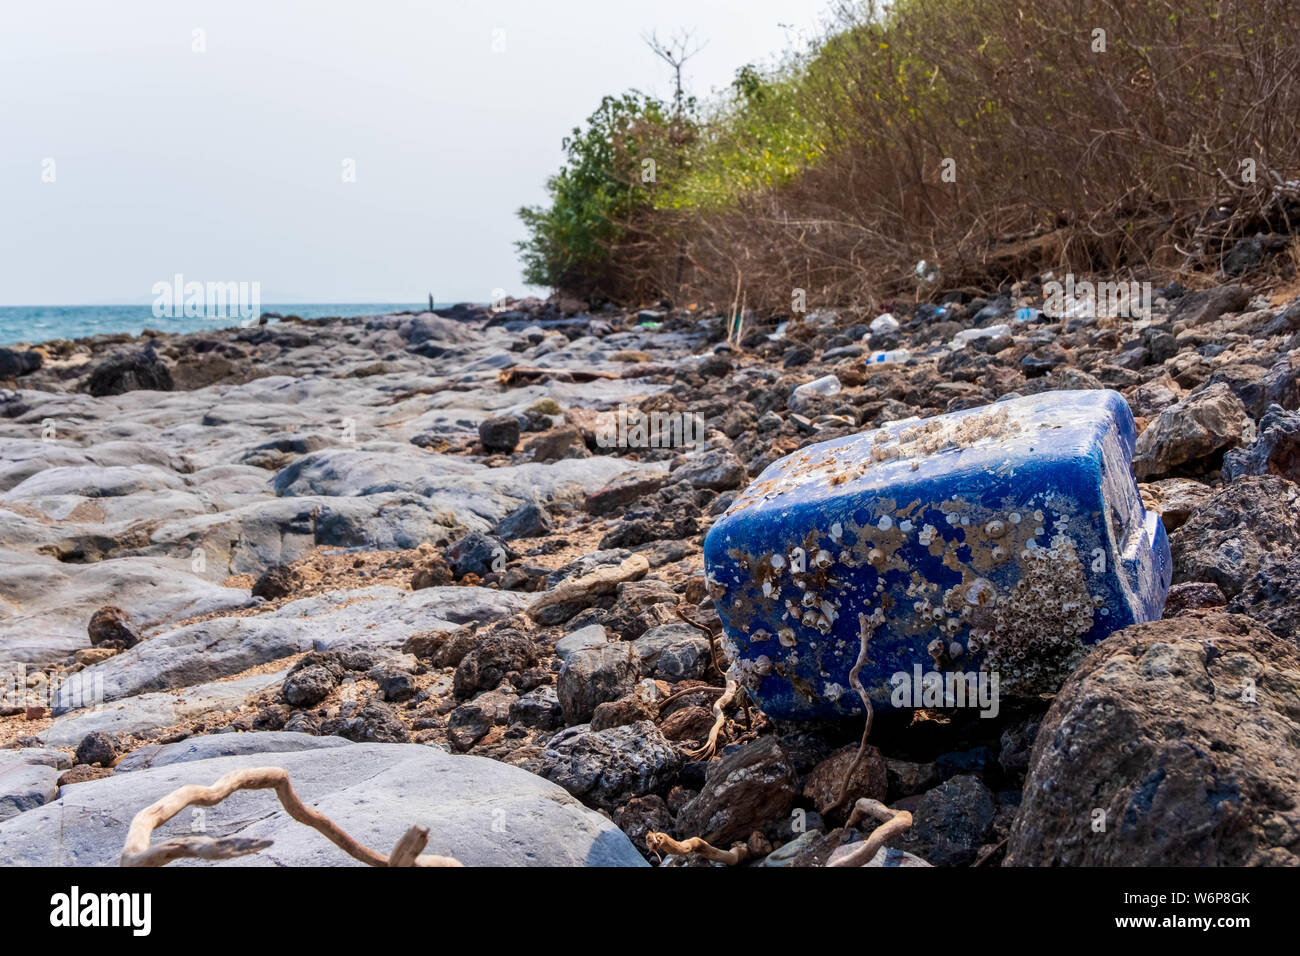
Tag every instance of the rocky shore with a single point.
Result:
(436, 565)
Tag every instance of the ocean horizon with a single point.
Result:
(33, 324)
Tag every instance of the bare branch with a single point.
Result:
(138, 852)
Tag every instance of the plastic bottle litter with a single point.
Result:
(995, 543)
(826, 385)
(884, 324)
(893, 355)
(966, 336)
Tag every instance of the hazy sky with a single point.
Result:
(227, 165)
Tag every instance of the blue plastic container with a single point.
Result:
(999, 541)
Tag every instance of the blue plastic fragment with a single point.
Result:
(999, 541)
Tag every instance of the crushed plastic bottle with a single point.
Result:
(884, 324)
(891, 356)
(824, 386)
(966, 336)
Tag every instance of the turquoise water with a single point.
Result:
(39, 323)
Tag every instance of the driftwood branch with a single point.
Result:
(138, 852)
(601, 581)
(662, 843)
(865, 629)
(710, 746)
(893, 822)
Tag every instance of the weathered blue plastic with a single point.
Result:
(1001, 540)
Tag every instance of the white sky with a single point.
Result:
(227, 165)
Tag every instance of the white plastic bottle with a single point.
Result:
(893, 355)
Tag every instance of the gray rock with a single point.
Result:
(1275, 452)
(1216, 545)
(673, 652)
(749, 789)
(593, 635)
(952, 822)
(609, 767)
(539, 708)
(376, 618)
(470, 722)
(1172, 744)
(714, 468)
(529, 520)
(480, 811)
(1207, 421)
(594, 675)
(25, 786)
(224, 745)
(57, 600)
(476, 553)
(136, 714)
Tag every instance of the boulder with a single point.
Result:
(952, 822)
(140, 369)
(1220, 545)
(748, 789)
(1275, 452)
(717, 469)
(480, 811)
(673, 652)
(25, 784)
(593, 675)
(1173, 744)
(492, 658)
(1209, 420)
(609, 767)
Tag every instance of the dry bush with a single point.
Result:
(1122, 162)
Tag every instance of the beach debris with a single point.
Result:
(889, 357)
(137, 850)
(822, 387)
(985, 550)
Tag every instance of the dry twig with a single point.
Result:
(138, 852)
(865, 629)
(662, 843)
(893, 822)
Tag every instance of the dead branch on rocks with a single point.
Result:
(528, 375)
(865, 629)
(138, 852)
(708, 634)
(688, 692)
(662, 843)
(601, 581)
(893, 822)
(710, 746)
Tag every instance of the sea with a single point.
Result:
(40, 323)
